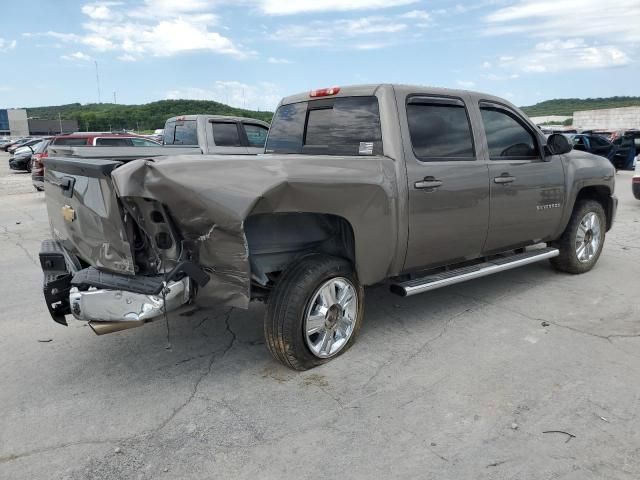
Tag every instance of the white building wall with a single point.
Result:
(608, 119)
(549, 118)
(18, 124)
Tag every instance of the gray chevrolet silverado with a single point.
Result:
(413, 186)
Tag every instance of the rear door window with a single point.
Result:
(226, 134)
(256, 134)
(340, 126)
(181, 132)
(439, 129)
(113, 142)
(143, 142)
(70, 142)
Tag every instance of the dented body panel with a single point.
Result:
(210, 208)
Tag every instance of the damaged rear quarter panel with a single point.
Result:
(210, 197)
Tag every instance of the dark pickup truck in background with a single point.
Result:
(417, 187)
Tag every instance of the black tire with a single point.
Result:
(29, 165)
(284, 320)
(568, 260)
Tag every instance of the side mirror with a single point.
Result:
(558, 144)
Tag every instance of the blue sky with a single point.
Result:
(252, 52)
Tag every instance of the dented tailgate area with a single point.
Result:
(151, 235)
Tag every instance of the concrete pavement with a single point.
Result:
(460, 383)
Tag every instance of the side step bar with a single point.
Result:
(459, 275)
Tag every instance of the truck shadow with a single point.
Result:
(233, 338)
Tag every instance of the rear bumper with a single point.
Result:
(38, 182)
(111, 302)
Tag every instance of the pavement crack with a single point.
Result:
(17, 456)
(201, 377)
(444, 329)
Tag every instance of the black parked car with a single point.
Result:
(592, 143)
(627, 147)
(21, 158)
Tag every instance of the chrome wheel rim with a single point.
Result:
(330, 317)
(588, 237)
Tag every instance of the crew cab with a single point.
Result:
(415, 187)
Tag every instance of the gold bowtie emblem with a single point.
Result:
(68, 213)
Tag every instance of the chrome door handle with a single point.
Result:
(428, 183)
(504, 178)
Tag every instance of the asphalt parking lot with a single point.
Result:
(476, 381)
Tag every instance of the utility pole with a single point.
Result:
(114, 98)
(60, 120)
(97, 80)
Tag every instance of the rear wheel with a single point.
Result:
(314, 312)
(581, 243)
(29, 165)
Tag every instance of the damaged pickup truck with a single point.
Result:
(413, 186)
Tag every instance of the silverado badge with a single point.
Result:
(68, 213)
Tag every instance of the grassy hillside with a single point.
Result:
(103, 116)
(566, 106)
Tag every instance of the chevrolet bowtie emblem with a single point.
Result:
(68, 213)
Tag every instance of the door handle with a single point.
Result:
(428, 183)
(66, 184)
(504, 178)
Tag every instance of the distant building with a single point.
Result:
(608, 119)
(14, 123)
(51, 127)
(556, 119)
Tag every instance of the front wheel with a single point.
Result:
(581, 243)
(314, 312)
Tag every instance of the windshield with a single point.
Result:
(334, 126)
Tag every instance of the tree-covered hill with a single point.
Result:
(566, 106)
(106, 116)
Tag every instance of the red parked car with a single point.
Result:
(83, 140)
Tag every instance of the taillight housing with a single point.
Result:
(324, 92)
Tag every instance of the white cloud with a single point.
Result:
(262, 96)
(77, 56)
(616, 21)
(159, 28)
(278, 60)
(571, 54)
(6, 45)
(418, 14)
(291, 7)
(100, 10)
(466, 83)
(365, 33)
(127, 57)
(486, 64)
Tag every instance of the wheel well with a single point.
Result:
(601, 195)
(276, 239)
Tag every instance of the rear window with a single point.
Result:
(181, 132)
(226, 134)
(70, 142)
(340, 126)
(113, 142)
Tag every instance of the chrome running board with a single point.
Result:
(459, 275)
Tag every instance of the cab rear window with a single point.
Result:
(339, 126)
(181, 132)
